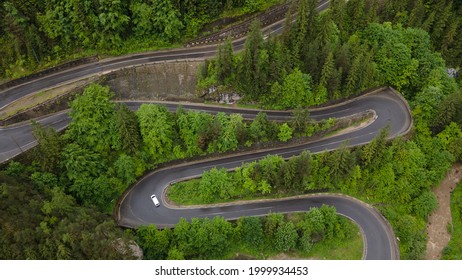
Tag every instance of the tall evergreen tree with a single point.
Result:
(225, 62)
(127, 126)
(49, 148)
(250, 73)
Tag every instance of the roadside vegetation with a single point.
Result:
(396, 177)
(60, 194)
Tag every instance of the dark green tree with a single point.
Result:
(300, 120)
(225, 62)
(127, 126)
(251, 77)
(50, 144)
(250, 231)
(449, 110)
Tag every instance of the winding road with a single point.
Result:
(135, 207)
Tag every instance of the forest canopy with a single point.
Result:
(34, 33)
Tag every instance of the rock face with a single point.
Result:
(167, 81)
(129, 250)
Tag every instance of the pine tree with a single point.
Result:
(128, 129)
(417, 14)
(225, 62)
(305, 29)
(338, 11)
(356, 15)
(328, 35)
(249, 72)
(49, 148)
(327, 70)
(450, 33)
(354, 76)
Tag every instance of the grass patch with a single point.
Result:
(339, 249)
(185, 193)
(357, 124)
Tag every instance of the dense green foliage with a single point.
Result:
(39, 221)
(454, 249)
(441, 19)
(33, 33)
(261, 237)
(328, 56)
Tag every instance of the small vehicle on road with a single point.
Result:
(155, 200)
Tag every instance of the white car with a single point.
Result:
(155, 200)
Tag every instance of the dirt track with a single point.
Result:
(438, 236)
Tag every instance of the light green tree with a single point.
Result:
(156, 127)
(215, 183)
(156, 17)
(93, 124)
(286, 237)
(285, 133)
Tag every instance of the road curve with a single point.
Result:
(135, 208)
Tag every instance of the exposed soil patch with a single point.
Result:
(438, 236)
